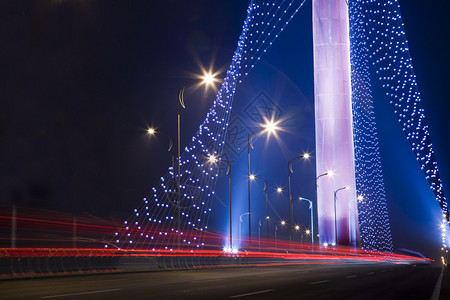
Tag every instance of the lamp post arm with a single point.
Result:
(250, 141)
(183, 88)
(227, 163)
(170, 139)
(291, 161)
(317, 178)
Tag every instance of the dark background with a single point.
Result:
(82, 80)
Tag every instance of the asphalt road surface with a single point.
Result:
(325, 281)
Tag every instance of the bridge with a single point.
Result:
(271, 178)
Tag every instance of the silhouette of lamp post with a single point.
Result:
(270, 127)
(335, 215)
(203, 80)
(290, 170)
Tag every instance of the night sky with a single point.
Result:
(82, 80)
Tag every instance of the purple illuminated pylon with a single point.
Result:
(333, 119)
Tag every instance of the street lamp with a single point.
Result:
(253, 177)
(269, 127)
(213, 159)
(329, 173)
(206, 79)
(240, 225)
(335, 215)
(312, 217)
(290, 170)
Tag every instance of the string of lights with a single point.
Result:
(389, 54)
(373, 218)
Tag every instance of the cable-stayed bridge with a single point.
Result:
(177, 212)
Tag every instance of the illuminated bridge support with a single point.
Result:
(333, 121)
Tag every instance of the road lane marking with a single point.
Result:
(81, 293)
(317, 282)
(206, 280)
(351, 276)
(253, 293)
(437, 287)
(106, 280)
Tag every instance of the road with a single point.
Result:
(323, 281)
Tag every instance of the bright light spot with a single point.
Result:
(235, 250)
(271, 127)
(325, 244)
(306, 155)
(308, 232)
(212, 158)
(252, 177)
(267, 217)
(283, 222)
(297, 227)
(208, 78)
(330, 173)
(360, 198)
(151, 131)
(279, 190)
(333, 244)
(347, 187)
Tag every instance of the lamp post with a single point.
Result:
(206, 79)
(312, 217)
(282, 223)
(213, 159)
(290, 170)
(253, 177)
(240, 224)
(329, 173)
(270, 127)
(335, 215)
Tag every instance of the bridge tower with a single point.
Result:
(333, 122)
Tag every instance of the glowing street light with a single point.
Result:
(328, 173)
(312, 217)
(335, 215)
(290, 170)
(269, 127)
(213, 160)
(253, 177)
(360, 198)
(206, 79)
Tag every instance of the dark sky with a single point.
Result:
(81, 81)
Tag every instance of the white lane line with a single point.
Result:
(437, 287)
(206, 280)
(370, 273)
(317, 282)
(351, 276)
(106, 280)
(81, 293)
(253, 293)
